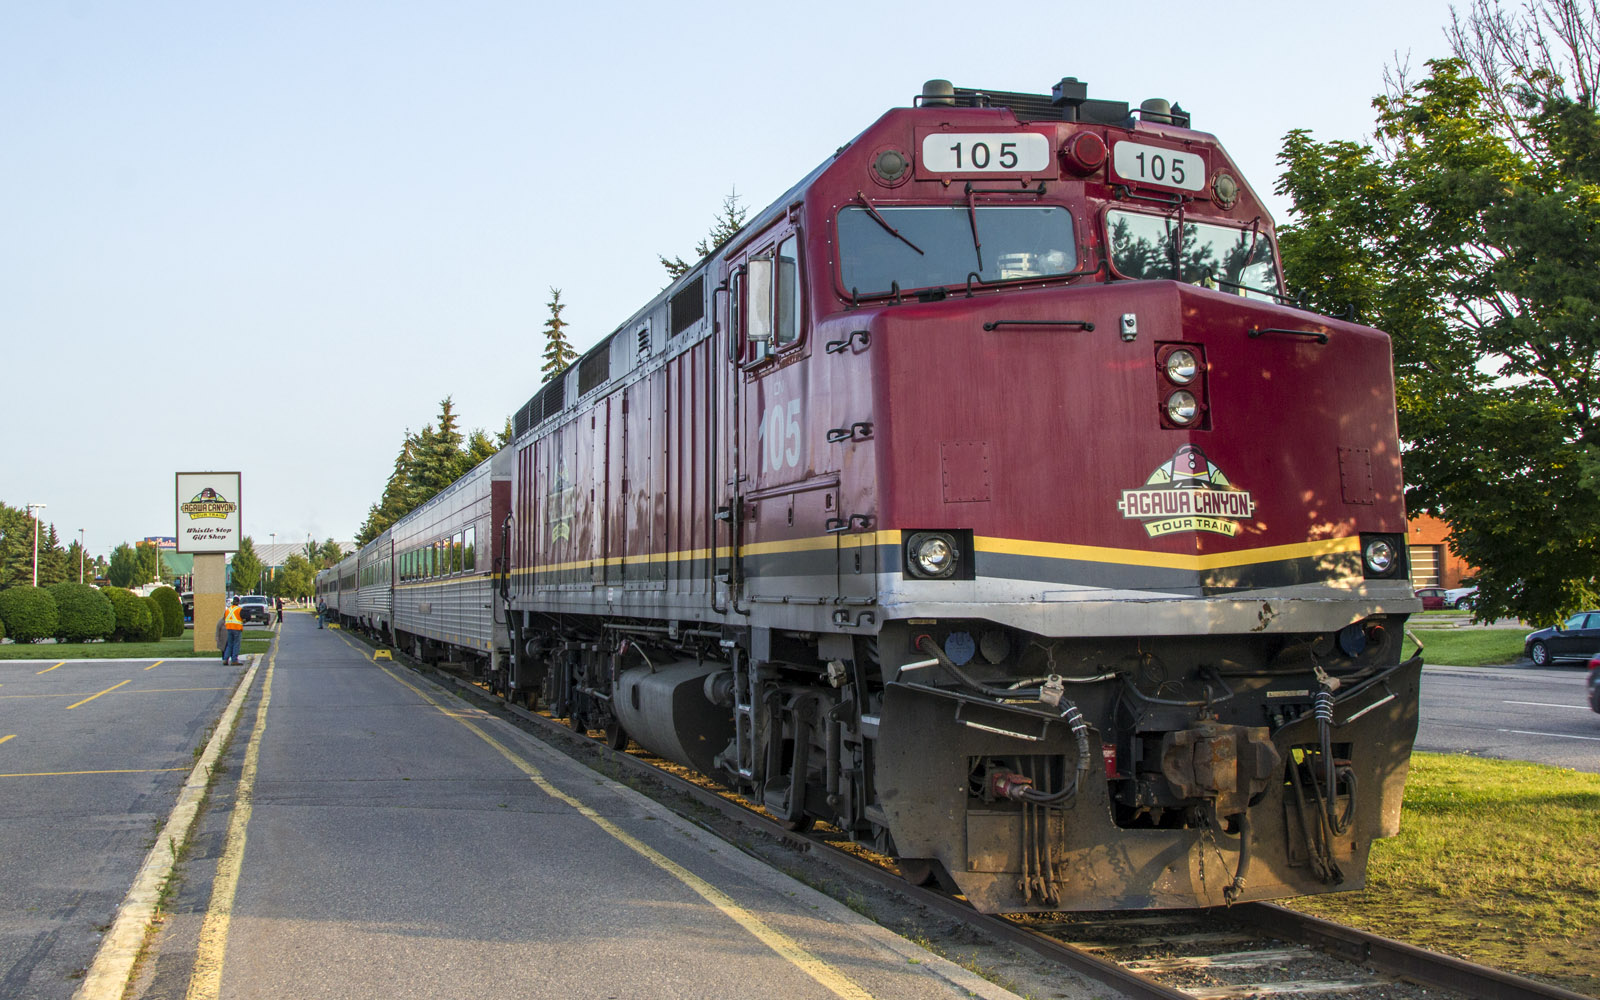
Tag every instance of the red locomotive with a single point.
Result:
(986, 499)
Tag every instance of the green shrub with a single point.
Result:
(29, 613)
(133, 615)
(2, 630)
(171, 610)
(83, 614)
(155, 622)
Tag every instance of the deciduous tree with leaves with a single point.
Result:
(1470, 231)
(244, 574)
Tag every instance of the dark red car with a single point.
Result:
(1433, 598)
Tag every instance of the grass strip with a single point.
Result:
(254, 641)
(1497, 862)
(1477, 647)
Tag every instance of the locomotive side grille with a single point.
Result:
(688, 307)
(551, 399)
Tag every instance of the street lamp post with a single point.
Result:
(80, 555)
(31, 508)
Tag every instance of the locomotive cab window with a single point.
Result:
(1229, 259)
(786, 329)
(926, 246)
(767, 293)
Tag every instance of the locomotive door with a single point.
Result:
(786, 555)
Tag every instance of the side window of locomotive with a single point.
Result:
(736, 314)
(787, 328)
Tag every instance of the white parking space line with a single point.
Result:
(1560, 736)
(1544, 704)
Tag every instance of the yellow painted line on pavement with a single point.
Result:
(826, 975)
(46, 670)
(62, 774)
(155, 664)
(11, 737)
(205, 981)
(92, 697)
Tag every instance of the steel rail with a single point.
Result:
(1396, 958)
(1387, 956)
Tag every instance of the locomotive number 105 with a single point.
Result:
(1134, 161)
(985, 153)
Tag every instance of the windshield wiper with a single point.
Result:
(880, 220)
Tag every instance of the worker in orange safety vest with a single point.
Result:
(233, 619)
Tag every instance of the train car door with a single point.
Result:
(788, 554)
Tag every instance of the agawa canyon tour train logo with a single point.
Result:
(1187, 494)
(208, 503)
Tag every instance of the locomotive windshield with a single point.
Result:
(1231, 260)
(928, 245)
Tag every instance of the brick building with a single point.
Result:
(1432, 562)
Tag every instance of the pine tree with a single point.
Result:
(504, 437)
(52, 558)
(723, 228)
(558, 350)
(16, 546)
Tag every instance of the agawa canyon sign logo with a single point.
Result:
(1188, 493)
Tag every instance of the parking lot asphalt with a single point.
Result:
(91, 757)
(374, 835)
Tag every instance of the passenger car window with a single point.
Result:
(470, 555)
(455, 554)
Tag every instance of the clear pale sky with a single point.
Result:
(271, 237)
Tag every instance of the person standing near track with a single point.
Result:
(233, 619)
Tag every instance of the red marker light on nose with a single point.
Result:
(1108, 753)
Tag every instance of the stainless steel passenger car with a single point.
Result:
(445, 605)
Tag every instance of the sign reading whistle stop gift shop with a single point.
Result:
(208, 526)
(208, 512)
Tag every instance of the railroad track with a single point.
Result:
(1249, 950)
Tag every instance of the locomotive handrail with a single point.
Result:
(1037, 192)
(1080, 324)
(861, 430)
(1257, 331)
(840, 346)
(1124, 191)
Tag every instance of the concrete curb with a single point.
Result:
(107, 978)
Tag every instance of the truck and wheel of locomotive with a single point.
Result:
(984, 498)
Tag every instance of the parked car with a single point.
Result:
(187, 597)
(1594, 683)
(1461, 598)
(1577, 638)
(1432, 598)
(255, 608)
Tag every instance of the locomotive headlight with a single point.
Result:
(1182, 367)
(1182, 407)
(932, 555)
(1380, 555)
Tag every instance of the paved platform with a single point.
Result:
(374, 835)
(92, 755)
